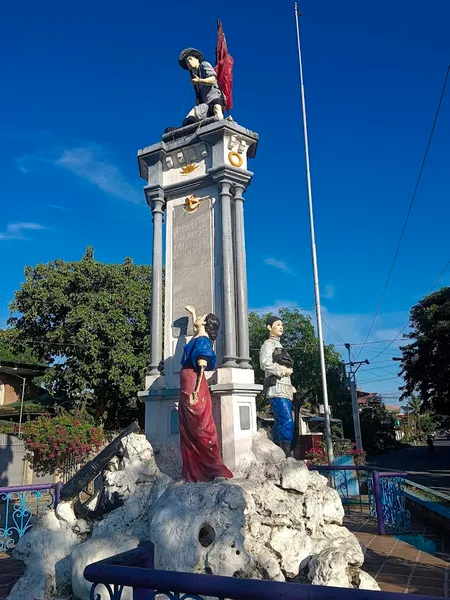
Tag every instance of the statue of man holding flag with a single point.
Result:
(213, 86)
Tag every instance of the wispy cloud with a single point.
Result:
(58, 207)
(91, 162)
(275, 307)
(279, 264)
(329, 292)
(15, 231)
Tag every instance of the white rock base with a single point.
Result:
(275, 520)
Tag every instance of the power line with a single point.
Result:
(409, 210)
(69, 344)
(408, 321)
(339, 339)
(378, 368)
(378, 379)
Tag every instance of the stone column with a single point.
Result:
(156, 202)
(241, 279)
(228, 303)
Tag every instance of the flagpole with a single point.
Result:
(328, 436)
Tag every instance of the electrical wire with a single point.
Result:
(408, 212)
(408, 321)
(339, 339)
(377, 379)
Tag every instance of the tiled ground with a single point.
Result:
(11, 570)
(400, 567)
(396, 565)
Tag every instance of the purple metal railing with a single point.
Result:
(132, 569)
(18, 504)
(385, 495)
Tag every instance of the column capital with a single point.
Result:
(232, 175)
(238, 190)
(155, 198)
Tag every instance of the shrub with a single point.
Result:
(316, 456)
(51, 444)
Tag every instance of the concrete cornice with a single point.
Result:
(231, 174)
(224, 389)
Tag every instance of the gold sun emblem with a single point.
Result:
(187, 169)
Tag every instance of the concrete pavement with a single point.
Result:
(431, 470)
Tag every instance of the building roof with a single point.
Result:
(22, 369)
(364, 397)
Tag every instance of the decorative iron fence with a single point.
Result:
(18, 506)
(115, 576)
(378, 494)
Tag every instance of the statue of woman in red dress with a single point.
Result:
(198, 434)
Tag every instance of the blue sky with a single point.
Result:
(85, 85)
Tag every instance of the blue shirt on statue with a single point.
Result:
(200, 347)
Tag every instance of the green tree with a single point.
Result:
(300, 339)
(414, 408)
(13, 350)
(90, 322)
(425, 362)
(377, 428)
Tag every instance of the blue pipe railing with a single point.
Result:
(381, 492)
(18, 504)
(133, 569)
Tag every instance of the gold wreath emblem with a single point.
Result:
(187, 169)
(192, 203)
(235, 159)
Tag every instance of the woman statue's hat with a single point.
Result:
(189, 52)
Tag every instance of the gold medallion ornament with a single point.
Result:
(192, 203)
(187, 169)
(235, 159)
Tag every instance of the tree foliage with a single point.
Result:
(377, 428)
(300, 339)
(425, 362)
(13, 350)
(90, 322)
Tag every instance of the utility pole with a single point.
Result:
(323, 371)
(353, 387)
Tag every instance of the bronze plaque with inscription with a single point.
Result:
(192, 264)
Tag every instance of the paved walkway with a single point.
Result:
(399, 566)
(396, 565)
(11, 570)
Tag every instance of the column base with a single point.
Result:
(153, 370)
(234, 407)
(229, 362)
(245, 363)
(162, 425)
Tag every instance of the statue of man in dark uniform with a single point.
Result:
(210, 100)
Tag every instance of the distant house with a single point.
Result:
(14, 380)
(17, 390)
(365, 397)
(398, 420)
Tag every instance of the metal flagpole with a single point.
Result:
(328, 436)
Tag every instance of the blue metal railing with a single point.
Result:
(17, 507)
(134, 569)
(380, 492)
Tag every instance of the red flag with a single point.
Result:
(224, 67)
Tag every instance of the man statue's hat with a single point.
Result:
(189, 52)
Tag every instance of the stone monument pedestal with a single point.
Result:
(196, 177)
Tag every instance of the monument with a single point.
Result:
(196, 177)
(276, 520)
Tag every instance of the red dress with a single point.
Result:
(198, 434)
